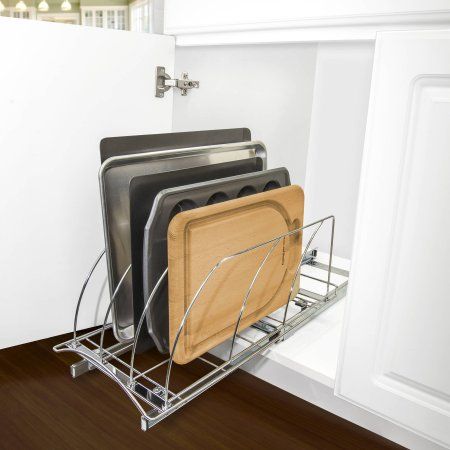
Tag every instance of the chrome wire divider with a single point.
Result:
(155, 400)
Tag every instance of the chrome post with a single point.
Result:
(112, 301)
(141, 321)
(244, 303)
(180, 328)
(331, 254)
(86, 281)
(300, 264)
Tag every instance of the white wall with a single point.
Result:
(266, 88)
(338, 121)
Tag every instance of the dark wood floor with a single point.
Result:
(42, 407)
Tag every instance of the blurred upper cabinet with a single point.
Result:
(204, 22)
(144, 16)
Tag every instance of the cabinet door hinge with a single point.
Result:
(164, 82)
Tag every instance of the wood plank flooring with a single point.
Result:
(42, 407)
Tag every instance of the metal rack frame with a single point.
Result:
(154, 400)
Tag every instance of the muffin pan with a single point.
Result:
(143, 191)
(166, 205)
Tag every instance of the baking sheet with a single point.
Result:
(114, 176)
(166, 205)
(127, 145)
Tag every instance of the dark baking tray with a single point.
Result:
(143, 191)
(126, 145)
(166, 205)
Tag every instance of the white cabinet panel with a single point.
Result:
(395, 359)
(210, 22)
(336, 138)
(62, 89)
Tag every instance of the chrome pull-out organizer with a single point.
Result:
(156, 398)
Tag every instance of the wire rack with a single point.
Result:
(151, 389)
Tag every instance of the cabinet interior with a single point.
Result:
(306, 102)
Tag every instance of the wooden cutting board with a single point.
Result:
(198, 239)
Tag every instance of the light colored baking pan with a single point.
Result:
(172, 201)
(199, 238)
(115, 175)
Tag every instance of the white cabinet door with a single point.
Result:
(395, 359)
(62, 89)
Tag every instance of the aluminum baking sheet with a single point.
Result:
(114, 176)
(166, 205)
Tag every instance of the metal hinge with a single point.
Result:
(164, 82)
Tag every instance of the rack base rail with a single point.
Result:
(154, 400)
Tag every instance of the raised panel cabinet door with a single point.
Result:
(62, 89)
(395, 355)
